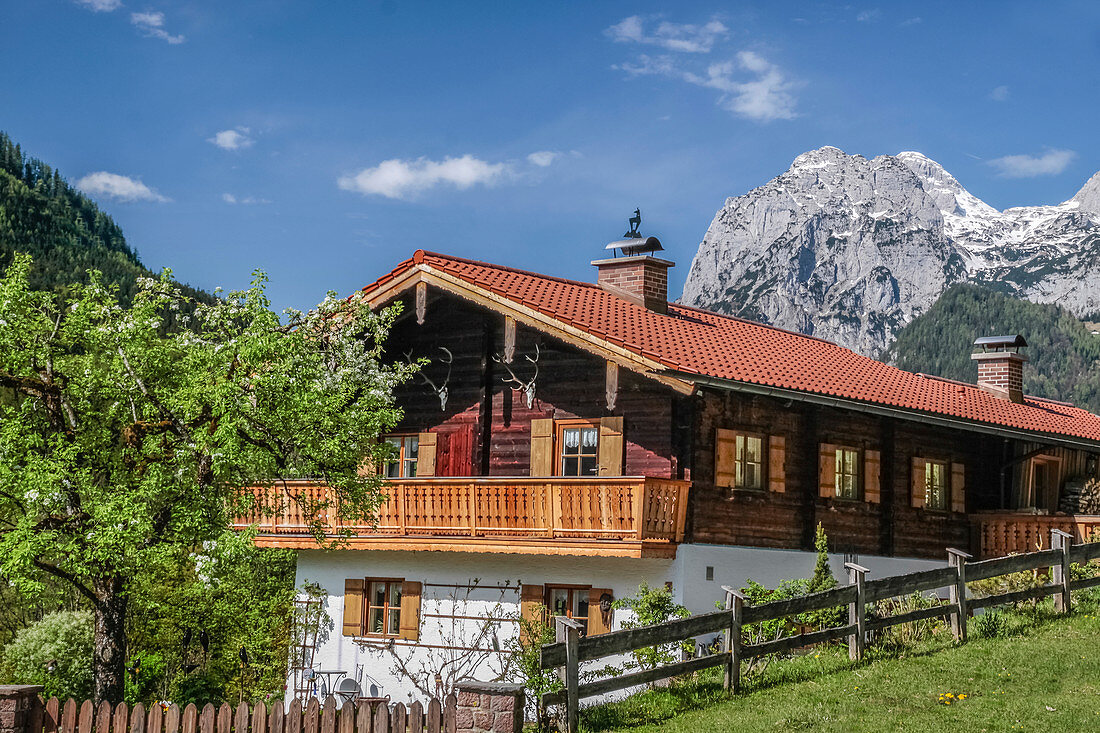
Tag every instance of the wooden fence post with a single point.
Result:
(1060, 540)
(568, 630)
(857, 610)
(735, 603)
(957, 559)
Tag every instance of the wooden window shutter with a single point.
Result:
(827, 471)
(531, 599)
(958, 488)
(872, 485)
(542, 447)
(777, 460)
(410, 610)
(725, 456)
(354, 589)
(917, 488)
(598, 623)
(611, 446)
(425, 457)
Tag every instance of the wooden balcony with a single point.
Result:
(624, 516)
(1002, 533)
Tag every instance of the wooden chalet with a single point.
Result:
(569, 418)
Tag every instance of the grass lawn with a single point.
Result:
(1044, 674)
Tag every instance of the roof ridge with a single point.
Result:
(519, 271)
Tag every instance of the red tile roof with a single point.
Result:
(698, 342)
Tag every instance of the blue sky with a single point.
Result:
(324, 142)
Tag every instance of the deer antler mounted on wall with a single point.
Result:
(441, 391)
(528, 388)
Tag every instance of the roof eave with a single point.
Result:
(873, 408)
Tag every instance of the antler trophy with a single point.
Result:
(441, 391)
(528, 388)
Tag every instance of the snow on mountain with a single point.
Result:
(851, 249)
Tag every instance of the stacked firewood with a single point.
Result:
(1081, 497)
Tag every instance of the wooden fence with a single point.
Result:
(570, 649)
(362, 717)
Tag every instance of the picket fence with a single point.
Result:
(571, 649)
(361, 717)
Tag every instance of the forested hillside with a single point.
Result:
(1064, 355)
(62, 229)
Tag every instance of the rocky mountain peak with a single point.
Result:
(1088, 198)
(852, 249)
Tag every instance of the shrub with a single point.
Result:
(990, 625)
(904, 635)
(653, 606)
(56, 653)
(525, 650)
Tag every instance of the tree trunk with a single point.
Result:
(109, 656)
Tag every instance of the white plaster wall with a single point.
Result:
(330, 569)
(732, 565)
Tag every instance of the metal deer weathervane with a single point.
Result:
(528, 387)
(635, 225)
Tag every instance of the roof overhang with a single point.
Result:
(929, 418)
(526, 316)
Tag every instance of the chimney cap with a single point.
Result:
(1000, 342)
(636, 246)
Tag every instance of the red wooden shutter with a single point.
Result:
(827, 471)
(872, 486)
(354, 589)
(958, 488)
(455, 452)
(725, 457)
(777, 460)
(917, 487)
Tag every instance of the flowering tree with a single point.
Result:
(123, 440)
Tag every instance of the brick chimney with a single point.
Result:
(1001, 371)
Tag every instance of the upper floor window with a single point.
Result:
(847, 474)
(403, 462)
(936, 494)
(579, 448)
(748, 462)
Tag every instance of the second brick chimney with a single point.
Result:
(642, 279)
(1000, 371)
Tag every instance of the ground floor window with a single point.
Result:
(568, 601)
(383, 601)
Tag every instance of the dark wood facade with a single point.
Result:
(486, 430)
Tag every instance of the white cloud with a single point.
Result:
(234, 139)
(763, 99)
(152, 25)
(1050, 163)
(683, 37)
(999, 94)
(543, 158)
(100, 6)
(121, 188)
(868, 16)
(247, 200)
(403, 179)
(916, 20)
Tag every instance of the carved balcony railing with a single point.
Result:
(1002, 533)
(604, 510)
